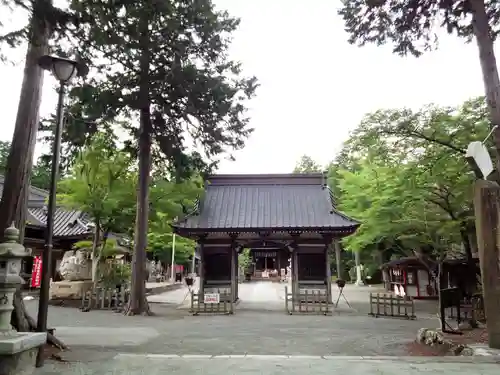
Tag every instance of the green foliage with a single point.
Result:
(171, 200)
(307, 165)
(115, 274)
(160, 246)
(403, 174)
(40, 174)
(410, 25)
(245, 259)
(193, 88)
(110, 247)
(102, 184)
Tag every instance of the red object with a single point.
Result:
(179, 268)
(36, 272)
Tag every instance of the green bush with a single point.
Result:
(115, 274)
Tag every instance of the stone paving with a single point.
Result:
(251, 339)
(261, 365)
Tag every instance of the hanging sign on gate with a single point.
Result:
(211, 298)
(36, 272)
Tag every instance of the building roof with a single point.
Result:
(67, 223)
(276, 202)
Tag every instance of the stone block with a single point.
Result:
(73, 290)
(18, 353)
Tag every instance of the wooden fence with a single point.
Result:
(105, 299)
(218, 302)
(389, 305)
(308, 302)
(470, 309)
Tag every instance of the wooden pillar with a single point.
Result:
(233, 255)
(487, 211)
(237, 272)
(202, 269)
(295, 272)
(328, 274)
(278, 262)
(338, 261)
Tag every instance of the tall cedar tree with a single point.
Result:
(411, 26)
(45, 20)
(167, 64)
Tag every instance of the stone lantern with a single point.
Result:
(11, 256)
(17, 349)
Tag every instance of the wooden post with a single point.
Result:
(336, 244)
(487, 210)
(233, 272)
(295, 272)
(237, 273)
(201, 291)
(328, 275)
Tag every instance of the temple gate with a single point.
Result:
(283, 218)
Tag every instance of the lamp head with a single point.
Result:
(63, 69)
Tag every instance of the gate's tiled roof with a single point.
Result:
(274, 202)
(67, 223)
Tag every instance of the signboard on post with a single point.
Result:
(211, 298)
(36, 272)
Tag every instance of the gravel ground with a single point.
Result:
(252, 341)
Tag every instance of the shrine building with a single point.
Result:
(287, 220)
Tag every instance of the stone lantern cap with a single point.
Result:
(11, 248)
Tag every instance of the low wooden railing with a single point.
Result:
(470, 309)
(218, 302)
(308, 302)
(105, 299)
(392, 306)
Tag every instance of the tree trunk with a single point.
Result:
(13, 205)
(480, 23)
(138, 303)
(96, 252)
(487, 211)
(19, 162)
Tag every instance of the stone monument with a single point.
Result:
(18, 350)
(76, 272)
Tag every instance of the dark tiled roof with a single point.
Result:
(67, 223)
(274, 202)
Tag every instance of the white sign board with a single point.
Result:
(478, 152)
(211, 298)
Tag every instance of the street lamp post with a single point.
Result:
(64, 70)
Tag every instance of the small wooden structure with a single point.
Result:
(106, 299)
(292, 215)
(414, 278)
(313, 302)
(217, 303)
(391, 306)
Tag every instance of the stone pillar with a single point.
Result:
(487, 211)
(18, 350)
(328, 274)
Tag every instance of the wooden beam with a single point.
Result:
(487, 211)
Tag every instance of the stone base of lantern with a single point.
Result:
(18, 353)
(72, 290)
